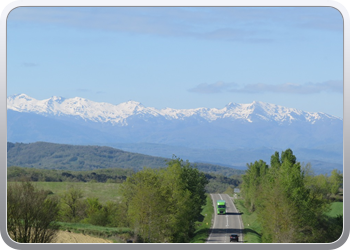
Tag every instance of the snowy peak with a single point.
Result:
(131, 106)
(258, 111)
(22, 96)
(272, 112)
(57, 99)
(119, 114)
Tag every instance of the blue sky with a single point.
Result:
(179, 57)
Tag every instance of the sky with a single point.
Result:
(179, 57)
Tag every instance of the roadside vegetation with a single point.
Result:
(252, 228)
(203, 225)
(290, 202)
(163, 205)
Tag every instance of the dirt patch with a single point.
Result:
(68, 237)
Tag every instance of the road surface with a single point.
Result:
(225, 225)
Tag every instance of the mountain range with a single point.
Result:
(248, 128)
(122, 113)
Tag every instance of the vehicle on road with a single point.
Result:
(233, 237)
(221, 207)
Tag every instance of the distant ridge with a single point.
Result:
(43, 155)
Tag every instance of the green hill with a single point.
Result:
(43, 155)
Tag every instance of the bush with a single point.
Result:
(30, 214)
(72, 205)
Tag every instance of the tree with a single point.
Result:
(193, 182)
(178, 197)
(146, 205)
(96, 213)
(276, 214)
(252, 181)
(31, 214)
(72, 206)
(290, 201)
(116, 214)
(336, 180)
(163, 205)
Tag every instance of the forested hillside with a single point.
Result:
(43, 155)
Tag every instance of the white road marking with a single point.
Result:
(239, 219)
(234, 209)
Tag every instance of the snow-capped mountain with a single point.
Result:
(119, 114)
(233, 135)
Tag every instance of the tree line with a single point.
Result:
(218, 183)
(290, 201)
(115, 175)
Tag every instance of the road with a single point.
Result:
(225, 225)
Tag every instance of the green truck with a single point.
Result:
(221, 207)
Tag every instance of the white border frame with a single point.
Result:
(248, 3)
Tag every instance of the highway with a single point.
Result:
(225, 225)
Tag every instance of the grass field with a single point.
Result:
(103, 191)
(336, 209)
(116, 235)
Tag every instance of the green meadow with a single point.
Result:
(103, 191)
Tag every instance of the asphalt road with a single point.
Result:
(225, 225)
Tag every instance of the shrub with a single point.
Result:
(30, 214)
